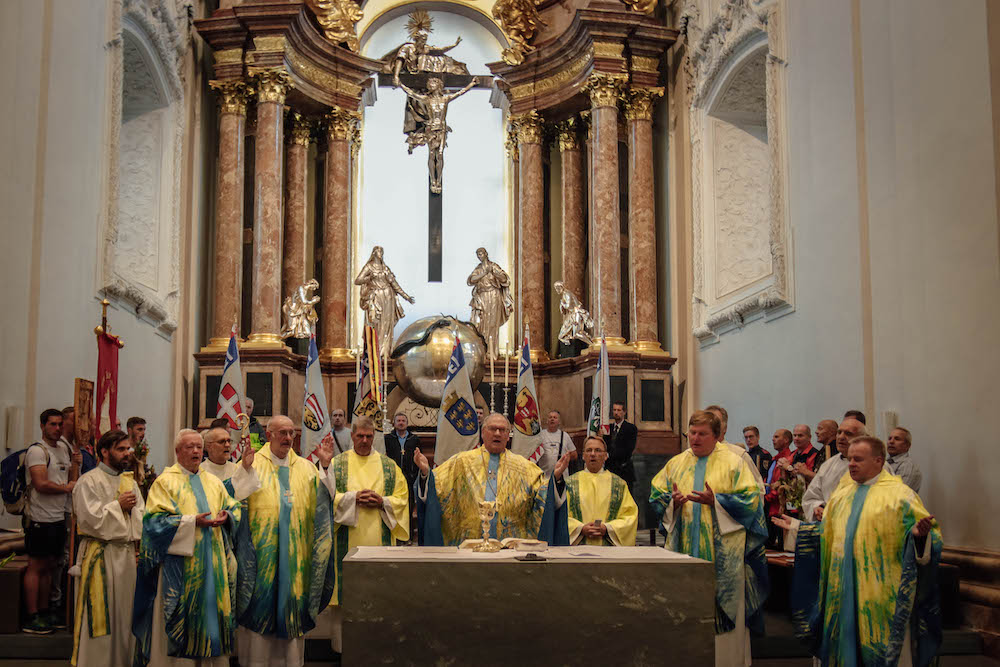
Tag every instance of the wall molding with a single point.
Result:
(719, 47)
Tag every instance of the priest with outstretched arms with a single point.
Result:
(526, 502)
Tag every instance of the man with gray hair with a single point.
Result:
(184, 589)
(899, 462)
(519, 494)
(240, 479)
(830, 473)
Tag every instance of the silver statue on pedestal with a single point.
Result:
(300, 314)
(491, 302)
(379, 290)
(576, 320)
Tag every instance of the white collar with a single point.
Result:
(108, 470)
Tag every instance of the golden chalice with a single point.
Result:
(487, 510)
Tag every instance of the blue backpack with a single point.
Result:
(14, 480)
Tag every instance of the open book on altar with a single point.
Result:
(515, 543)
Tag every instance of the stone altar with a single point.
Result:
(583, 605)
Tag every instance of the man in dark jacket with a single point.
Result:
(621, 443)
(399, 446)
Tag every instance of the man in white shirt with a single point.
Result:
(52, 473)
(830, 473)
(555, 443)
(899, 462)
(341, 432)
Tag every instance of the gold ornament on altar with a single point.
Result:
(576, 320)
(487, 510)
(519, 21)
(299, 310)
(337, 18)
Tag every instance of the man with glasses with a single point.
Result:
(601, 510)
(449, 497)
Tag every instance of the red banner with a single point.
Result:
(106, 391)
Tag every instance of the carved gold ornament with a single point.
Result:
(320, 77)
(604, 89)
(340, 124)
(338, 19)
(271, 84)
(645, 64)
(529, 127)
(555, 81)
(519, 21)
(568, 134)
(301, 128)
(511, 142)
(642, 6)
(229, 57)
(639, 102)
(355, 139)
(608, 49)
(233, 95)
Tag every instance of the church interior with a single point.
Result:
(787, 208)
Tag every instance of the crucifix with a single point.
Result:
(431, 80)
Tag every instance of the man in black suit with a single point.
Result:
(621, 444)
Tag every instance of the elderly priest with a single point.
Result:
(187, 574)
(711, 508)
(108, 509)
(526, 502)
(286, 574)
(240, 479)
(864, 588)
(601, 510)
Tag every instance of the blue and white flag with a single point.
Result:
(316, 425)
(458, 425)
(527, 429)
(599, 422)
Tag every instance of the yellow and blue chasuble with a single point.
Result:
(525, 500)
(284, 547)
(199, 590)
(379, 473)
(738, 554)
(857, 583)
(602, 495)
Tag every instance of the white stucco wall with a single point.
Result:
(54, 185)
(934, 260)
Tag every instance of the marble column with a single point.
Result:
(227, 263)
(514, 322)
(574, 237)
(531, 272)
(293, 260)
(271, 84)
(340, 125)
(604, 91)
(641, 219)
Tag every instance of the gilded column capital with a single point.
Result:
(510, 144)
(604, 89)
(355, 140)
(639, 102)
(586, 124)
(530, 127)
(271, 83)
(299, 129)
(340, 124)
(233, 95)
(568, 134)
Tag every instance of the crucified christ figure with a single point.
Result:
(434, 133)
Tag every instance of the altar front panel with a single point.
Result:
(583, 605)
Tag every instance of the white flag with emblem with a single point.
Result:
(315, 413)
(527, 426)
(599, 422)
(231, 395)
(458, 424)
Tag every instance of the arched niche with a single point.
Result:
(142, 231)
(742, 268)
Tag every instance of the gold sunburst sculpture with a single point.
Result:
(420, 21)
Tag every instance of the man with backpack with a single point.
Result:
(51, 470)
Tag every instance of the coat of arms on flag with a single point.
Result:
(316, 428)
(460, 414)
(526, 413)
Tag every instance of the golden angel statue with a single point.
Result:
(299, 310)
